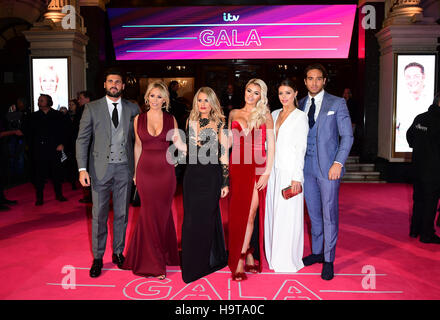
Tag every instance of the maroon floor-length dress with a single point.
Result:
(154, 242)
(247, 163)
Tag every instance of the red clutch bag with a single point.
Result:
(288, 192)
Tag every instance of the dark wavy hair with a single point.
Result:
(289, 83)
(114, 71)
(316, 66)
(48, 99)
(415, 64)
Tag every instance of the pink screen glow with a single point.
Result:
(233, 32)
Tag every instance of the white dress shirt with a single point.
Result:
(318, 103)
(110, 110)
(111, 107)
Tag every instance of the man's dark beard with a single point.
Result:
(117, 94)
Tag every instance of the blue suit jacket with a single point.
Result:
(334, 132)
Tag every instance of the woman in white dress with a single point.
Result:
(284, 219)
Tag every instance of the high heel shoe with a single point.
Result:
(240, 276)
(253, 268)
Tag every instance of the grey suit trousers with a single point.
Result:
(117, 180)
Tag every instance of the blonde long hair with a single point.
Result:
(163, 91)
(258, 114)
(216, 113)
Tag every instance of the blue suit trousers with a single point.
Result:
(321, 195)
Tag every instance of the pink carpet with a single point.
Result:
(46, 254)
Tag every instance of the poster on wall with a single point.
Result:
(50, 76)
(415, 92)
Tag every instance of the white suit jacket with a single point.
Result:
(291, 144)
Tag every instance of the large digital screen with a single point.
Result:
(50, 76)
(414, 93)
(232, 32)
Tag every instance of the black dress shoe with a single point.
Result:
(39, 202)
(433, 239)
(85, 200)
(118, 259)
(313, 258)
(95, 270)
(61, 198)
(8, 202)
(413, 234)
(4, 208)
(327, 271)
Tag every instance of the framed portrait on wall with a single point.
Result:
(415, 77)
(50, 76)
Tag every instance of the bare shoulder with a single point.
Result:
(269, 119)
(135, 122)
(233, 113)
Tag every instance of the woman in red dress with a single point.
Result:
(154, 242)
(249, 167)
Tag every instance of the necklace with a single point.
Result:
(203, 122)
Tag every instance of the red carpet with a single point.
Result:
(46, 255)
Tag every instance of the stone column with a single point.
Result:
(405, 30)
(53, 37)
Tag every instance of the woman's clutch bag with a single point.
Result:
(288, 192)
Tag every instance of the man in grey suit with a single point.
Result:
(328, 145)
(107, 127)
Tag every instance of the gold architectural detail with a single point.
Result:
(94, 3)
(401, 12)
(54, 15)
(55, 8)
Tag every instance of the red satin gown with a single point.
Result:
(247, 163)
(154, 242)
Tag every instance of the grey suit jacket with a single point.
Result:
(95, 130)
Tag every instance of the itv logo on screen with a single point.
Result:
(230, 17)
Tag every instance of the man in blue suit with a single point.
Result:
(328, 145)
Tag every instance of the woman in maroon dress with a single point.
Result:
(154, 242)
(249, 167)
